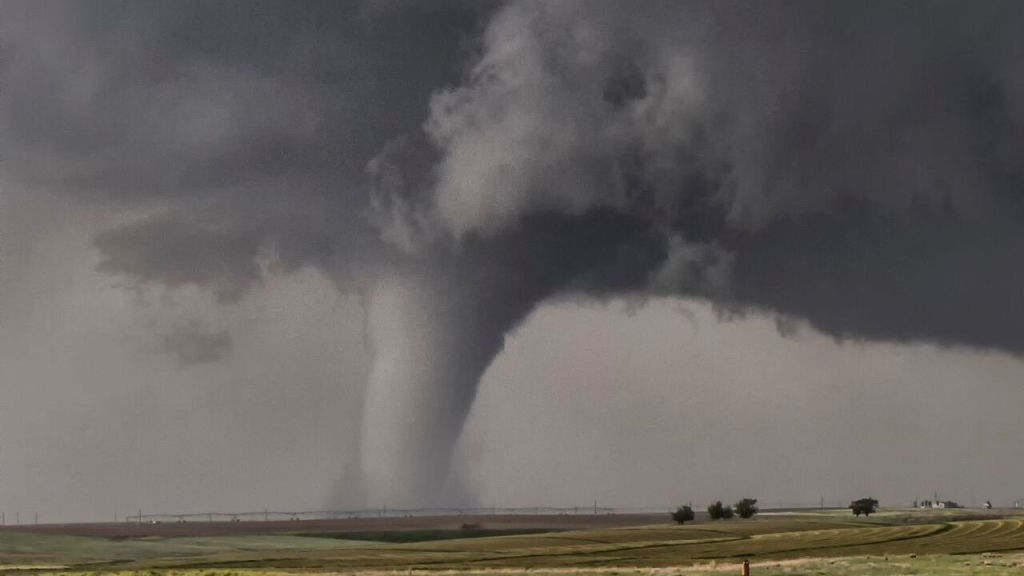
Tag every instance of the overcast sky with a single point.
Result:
(301, 255)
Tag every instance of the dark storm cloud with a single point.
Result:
(250, 123)
(177, 98)
(855, 164)
(938, 278)
(763, 142)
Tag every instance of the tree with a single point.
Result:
(746, 508)
(718, 511)
(683, 514)
(865, 506)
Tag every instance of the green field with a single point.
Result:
(894, 543)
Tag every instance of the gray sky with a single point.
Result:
(319, 254)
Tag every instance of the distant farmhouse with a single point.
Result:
(1018, 503)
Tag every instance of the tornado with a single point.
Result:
(432, 332)
(426, 361)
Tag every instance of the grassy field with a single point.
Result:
(825, 543)
(936, 565)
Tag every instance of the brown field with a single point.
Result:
(341, 525)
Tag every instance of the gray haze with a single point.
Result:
(412, 182)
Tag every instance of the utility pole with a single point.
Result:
(595, 507)
(140, 515)
(266, 514)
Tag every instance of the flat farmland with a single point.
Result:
(341, 525)
(823, 543)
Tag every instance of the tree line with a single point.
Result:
(747, 508)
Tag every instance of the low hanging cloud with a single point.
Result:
(192, 344)
(175, 253)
